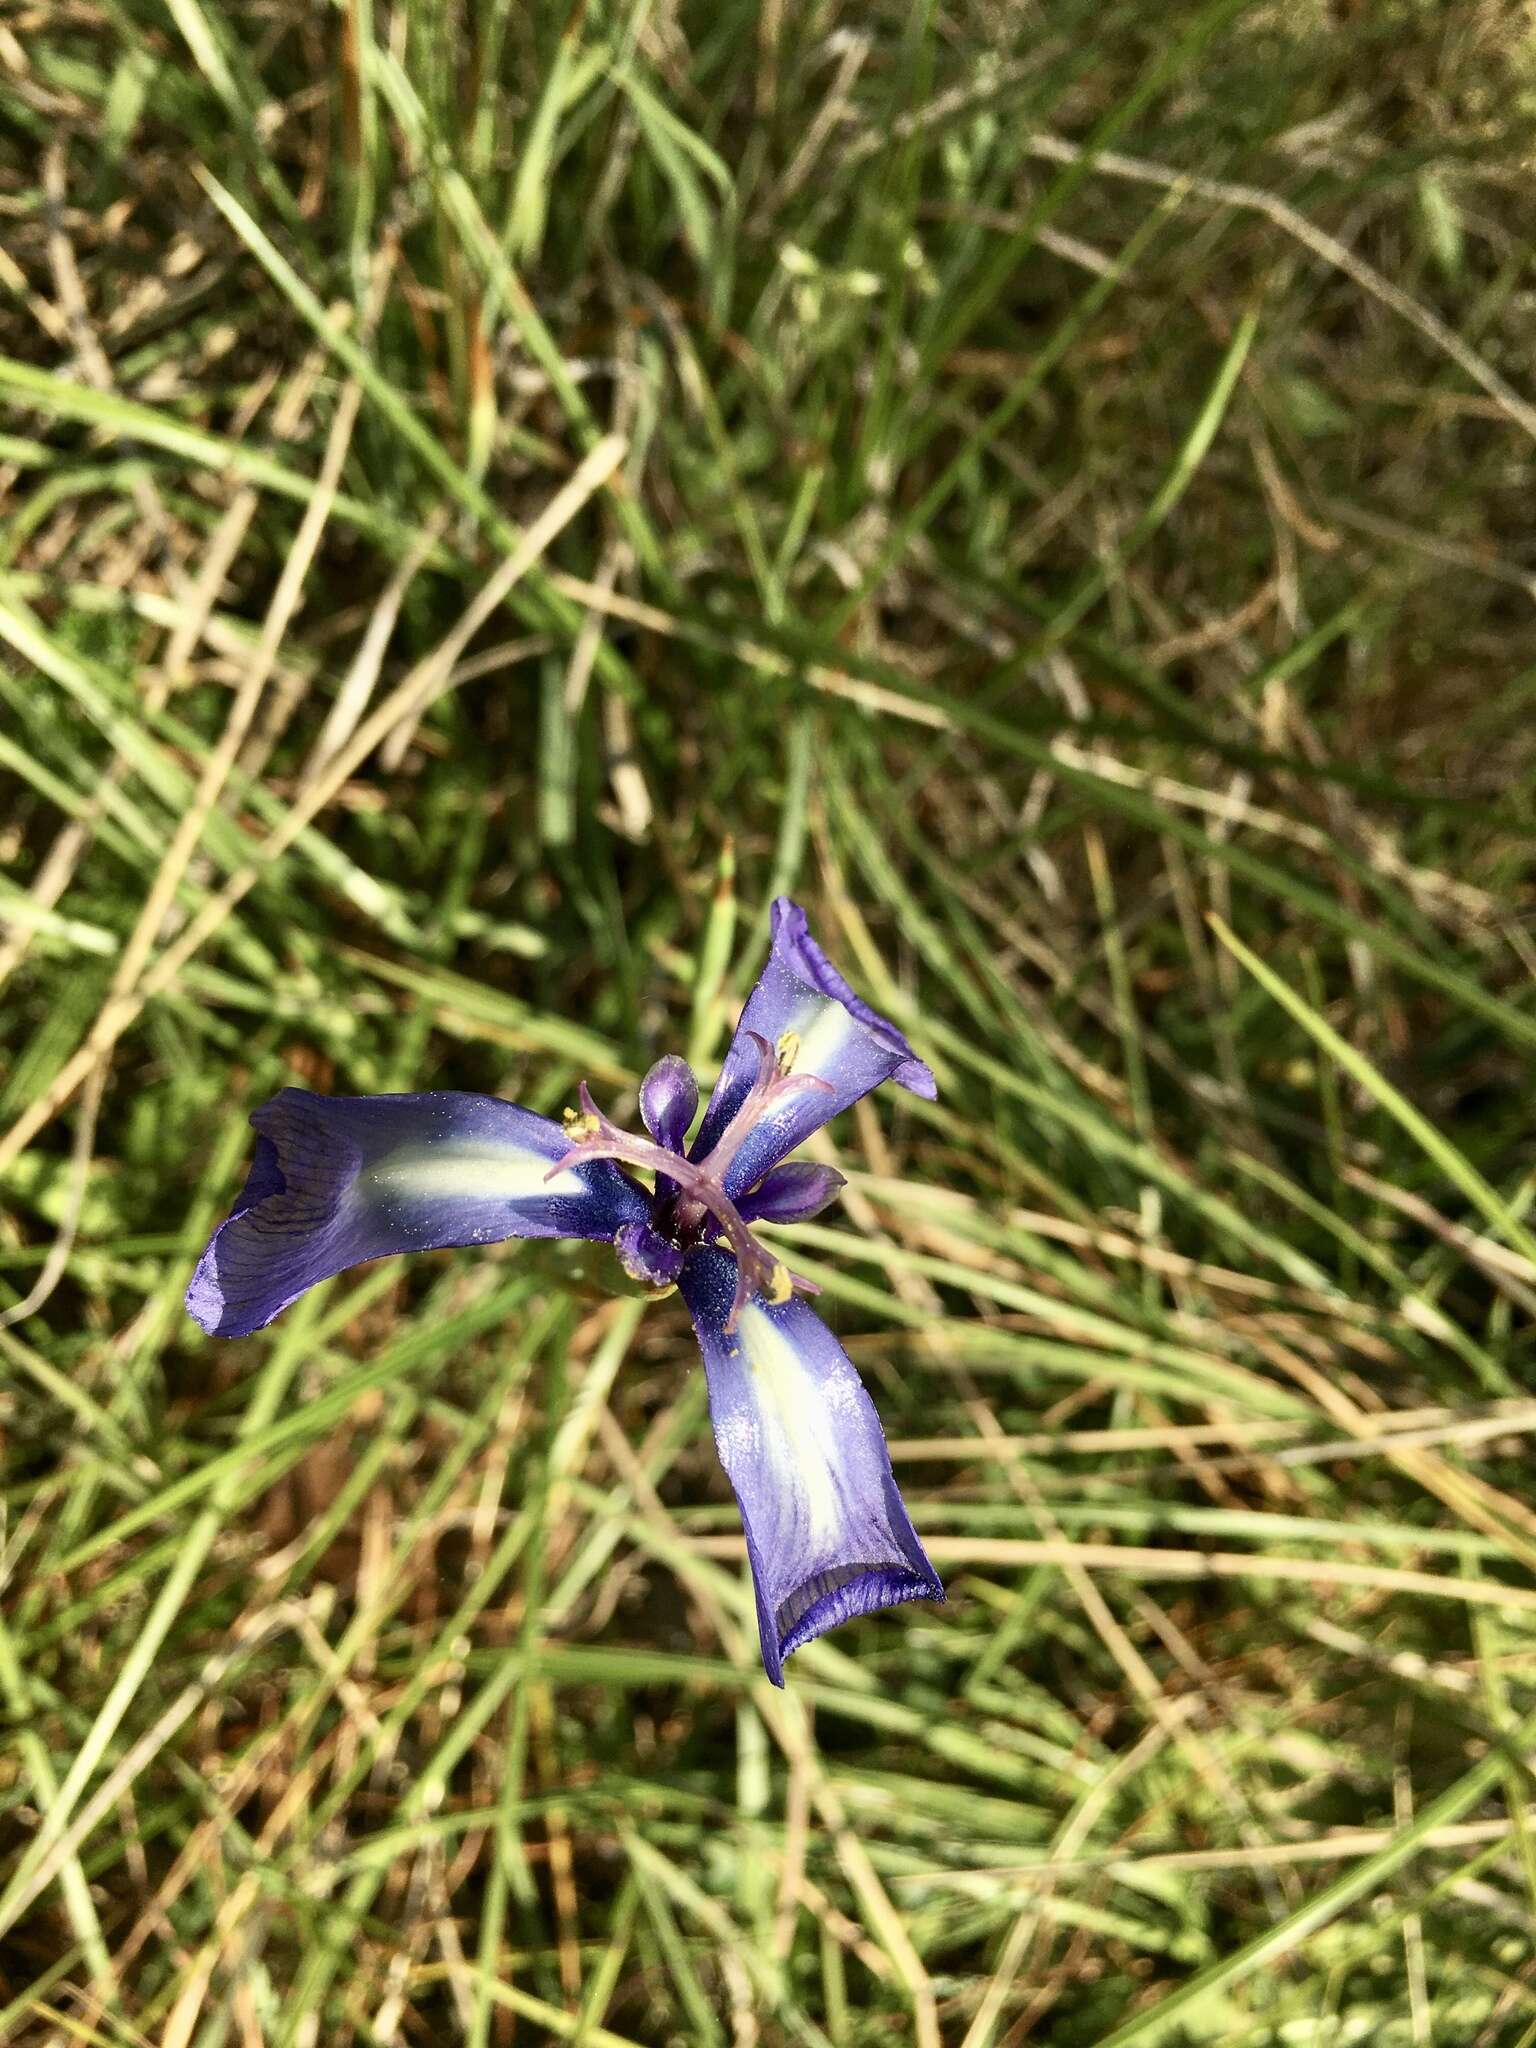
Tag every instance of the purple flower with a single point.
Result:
(342, 1178)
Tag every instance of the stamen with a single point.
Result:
(788, 1051)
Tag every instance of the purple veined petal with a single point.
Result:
(669, 1101)
(792, 1193)
(341, 1178)
(827, 1532)
(808, 1015)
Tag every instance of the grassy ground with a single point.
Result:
(1069, 522)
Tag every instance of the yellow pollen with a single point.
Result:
(788, 1051)
(780, 1287)
(578, 1127)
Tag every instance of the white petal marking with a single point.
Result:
(824, 1029)
(791, 1439)
(471, 1170)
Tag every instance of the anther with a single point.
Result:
(787, 1051)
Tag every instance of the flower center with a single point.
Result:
(695, 1205)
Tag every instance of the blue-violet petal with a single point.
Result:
(337, 1179)
(827, 1533)
(814, 1023)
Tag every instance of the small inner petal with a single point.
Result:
(647, 1257)
(791, 1193)
(669, 1101)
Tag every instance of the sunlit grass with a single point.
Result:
(1065, 519)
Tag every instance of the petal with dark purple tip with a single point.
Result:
(792, 1193)
(338, 1179)
(827, 1533)
(806, 1012)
